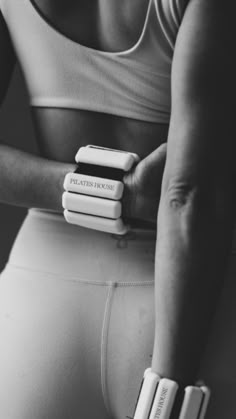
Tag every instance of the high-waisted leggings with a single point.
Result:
(77, 324)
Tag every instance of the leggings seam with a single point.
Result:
(104, 345)
(73, 278)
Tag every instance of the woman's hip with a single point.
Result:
(76, 321)
(46, 243)
(72, 348)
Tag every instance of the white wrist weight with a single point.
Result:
(93, 193)
(157, 397)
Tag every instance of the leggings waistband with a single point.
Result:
(47, 243)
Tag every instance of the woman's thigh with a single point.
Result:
(50, 334)
(71, 348)
(76, 321)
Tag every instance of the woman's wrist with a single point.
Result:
(184, 374)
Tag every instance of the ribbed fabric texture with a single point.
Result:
(59, 72)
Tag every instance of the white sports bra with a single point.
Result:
(61, 73)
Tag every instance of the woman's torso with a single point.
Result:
(90, 25)
(103, 25)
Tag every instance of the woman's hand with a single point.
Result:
(143, 186)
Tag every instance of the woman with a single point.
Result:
(77, 306)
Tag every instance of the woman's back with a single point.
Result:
(57, 43)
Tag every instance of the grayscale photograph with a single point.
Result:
(117, 209)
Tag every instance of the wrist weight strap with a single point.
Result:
(157, 397)
(93, 192)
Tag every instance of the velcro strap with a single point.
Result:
(100, 171)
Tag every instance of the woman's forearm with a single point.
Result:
(195, 219)
(194, 236)
(31, 181)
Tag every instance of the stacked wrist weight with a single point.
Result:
(93, 193)
(157, 398)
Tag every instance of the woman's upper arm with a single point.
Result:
(201, 136)
(7, 58)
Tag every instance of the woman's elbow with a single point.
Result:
(197, 203)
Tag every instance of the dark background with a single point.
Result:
(17, 131)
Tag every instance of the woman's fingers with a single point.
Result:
(142, 186)
(151, 168)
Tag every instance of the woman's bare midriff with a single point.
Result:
(60, 132)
